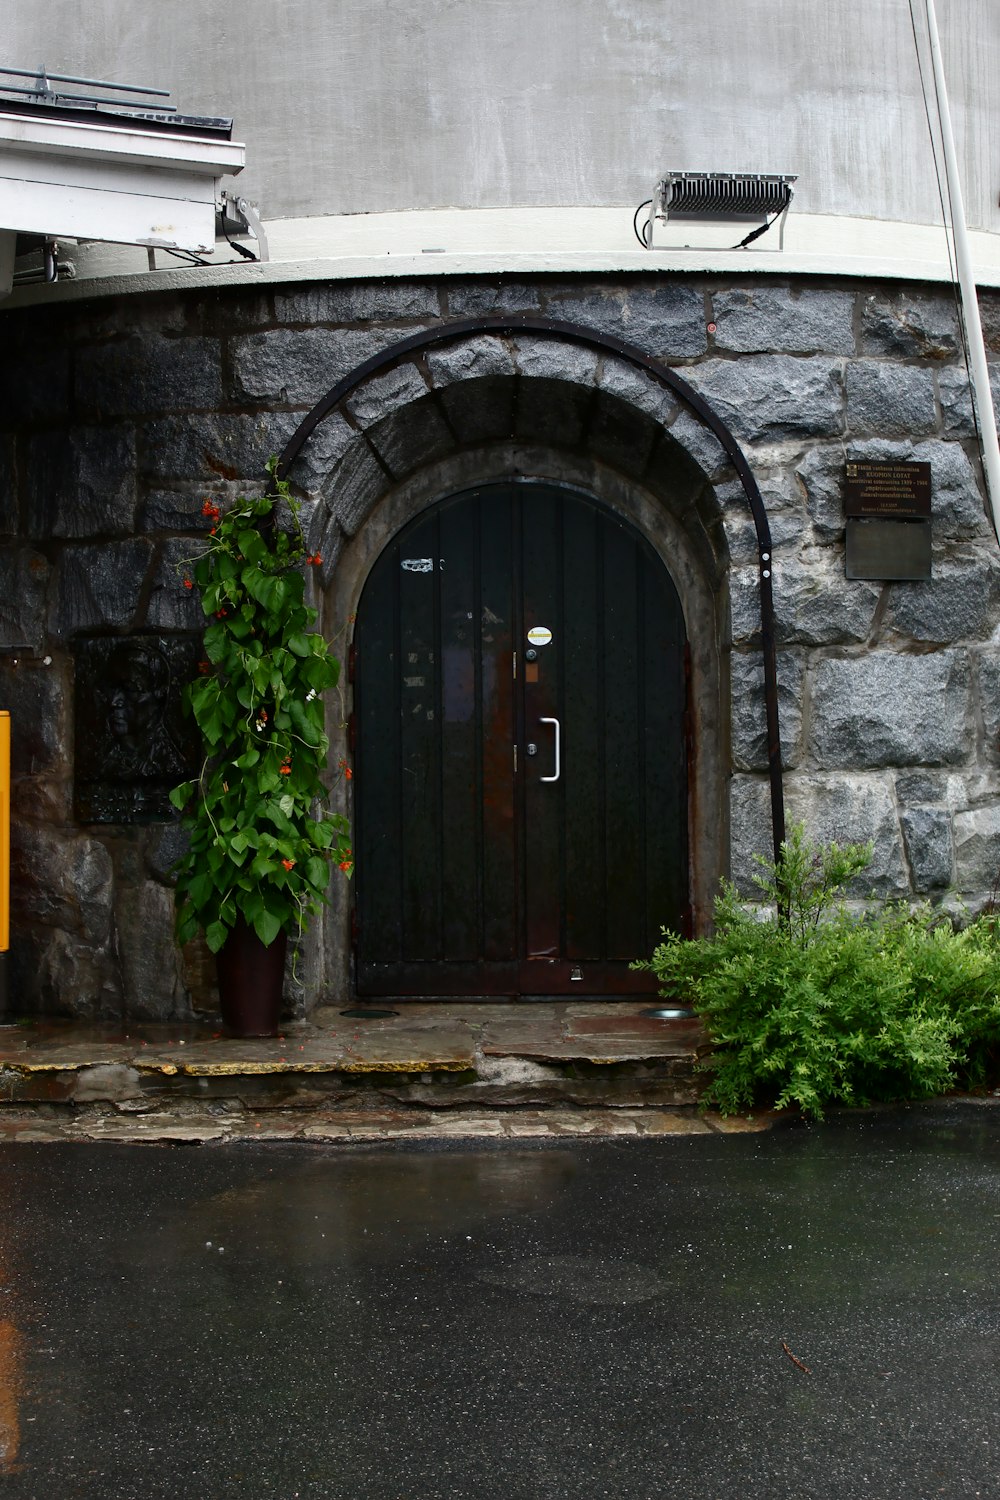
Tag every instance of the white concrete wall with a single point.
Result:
(359, 106)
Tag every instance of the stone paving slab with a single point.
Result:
(344, 1126)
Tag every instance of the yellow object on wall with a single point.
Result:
(4, 830)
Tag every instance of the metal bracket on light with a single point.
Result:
(701, 210)
(237, 216)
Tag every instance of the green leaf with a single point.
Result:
(266, 926)
(215, 935)
(300, 716)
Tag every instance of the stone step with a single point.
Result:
(429, 1058)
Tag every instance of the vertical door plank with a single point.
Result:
(420, 744)
(461, 733)
(495, 513)
(542, 588)
(583, 742)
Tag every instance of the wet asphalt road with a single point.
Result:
(564, 1320)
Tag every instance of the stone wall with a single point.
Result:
(119, 417)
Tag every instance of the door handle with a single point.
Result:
(557, 727)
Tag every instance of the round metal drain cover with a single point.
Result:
(367, 1013)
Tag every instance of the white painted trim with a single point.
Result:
(173, 219)
(522, 242)
(30, 135)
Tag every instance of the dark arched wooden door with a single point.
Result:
(520, 755)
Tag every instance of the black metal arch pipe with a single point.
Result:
(575, 334)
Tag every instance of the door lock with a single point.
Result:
(531, 748)
(531, 654)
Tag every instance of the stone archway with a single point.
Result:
(465, 406)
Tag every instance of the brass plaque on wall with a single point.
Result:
(883, 490)
(893, 551)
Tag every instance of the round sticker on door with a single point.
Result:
(539, 635)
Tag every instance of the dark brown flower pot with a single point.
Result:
(251, 981)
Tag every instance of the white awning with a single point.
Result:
(70, 179)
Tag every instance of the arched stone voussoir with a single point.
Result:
(469, 359)
(381, 395)
(550, 359)
(565, 416)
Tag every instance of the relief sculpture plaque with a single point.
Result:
(133, 742)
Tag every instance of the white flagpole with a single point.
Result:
(980, 373)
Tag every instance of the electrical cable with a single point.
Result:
(643, 241)
(187, 256)
(755, 234)
(240, 249)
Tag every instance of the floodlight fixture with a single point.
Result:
(707, 210)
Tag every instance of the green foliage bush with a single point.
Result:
(812, 1005)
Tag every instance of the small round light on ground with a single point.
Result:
(668, 1013)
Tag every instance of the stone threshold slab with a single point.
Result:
(516, 1054)
(423, 1037)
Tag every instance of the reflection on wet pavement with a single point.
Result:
(10, 1396)
(381, 1206)
(552, 1322)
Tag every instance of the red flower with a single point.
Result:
(188, 584)
(345, 864)
(220, 614)
(286, 769)
(210, 510)
(315, 560)
(289, 864)
(204, 667)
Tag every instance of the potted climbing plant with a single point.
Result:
(262, 835)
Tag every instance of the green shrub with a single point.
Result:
(813, 1006)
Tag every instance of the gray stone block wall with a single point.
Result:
(121, 416)
(895, 732)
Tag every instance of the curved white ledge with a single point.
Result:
(518, 242)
